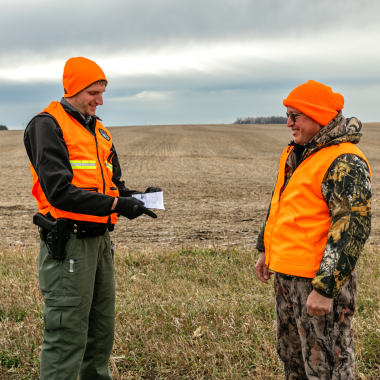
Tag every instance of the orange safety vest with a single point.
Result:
(297, 228)
(90, 161)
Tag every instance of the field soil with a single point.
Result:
(217, 182)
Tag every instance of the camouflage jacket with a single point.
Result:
(346, 188)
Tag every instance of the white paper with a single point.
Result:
(152, 200)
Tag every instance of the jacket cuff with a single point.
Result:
(125, 192)
(322, 293)
(260, 245)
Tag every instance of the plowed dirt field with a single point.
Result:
(217, 181)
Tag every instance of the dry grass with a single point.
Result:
(182, 314)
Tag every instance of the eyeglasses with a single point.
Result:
(293, 116)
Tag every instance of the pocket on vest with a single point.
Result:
(296, 246)
(307, 252)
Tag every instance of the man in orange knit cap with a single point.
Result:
(317, 223)
(79, 193)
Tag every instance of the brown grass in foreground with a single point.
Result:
(183, 314)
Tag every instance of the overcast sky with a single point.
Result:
(190, 61)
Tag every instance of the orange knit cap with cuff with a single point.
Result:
(316, 101)
(80, 73)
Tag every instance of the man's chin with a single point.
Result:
(90, 112)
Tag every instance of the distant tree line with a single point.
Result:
(3, 127)
(261, 120)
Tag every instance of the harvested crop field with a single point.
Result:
(217, 181)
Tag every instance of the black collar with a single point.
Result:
(72, 111)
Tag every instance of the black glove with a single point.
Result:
(131, 208)
(153, 189)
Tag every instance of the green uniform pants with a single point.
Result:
(79, 311)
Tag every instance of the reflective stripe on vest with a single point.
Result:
(108, 166)
(297, 228)
(78, 164)
(87, 156)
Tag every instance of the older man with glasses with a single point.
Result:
(317, 223)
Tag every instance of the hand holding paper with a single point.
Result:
(151, 200)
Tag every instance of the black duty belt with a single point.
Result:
(83, 231)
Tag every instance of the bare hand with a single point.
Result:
(317, 304)
(262, 270)
(114, 204)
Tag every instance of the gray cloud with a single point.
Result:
(75, 27)
(331, 42)
(134, 101)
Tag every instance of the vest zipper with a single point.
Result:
(101, 168)
(301, 161)
(285, 185)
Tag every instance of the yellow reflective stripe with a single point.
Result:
(83, 164)
(108, 166)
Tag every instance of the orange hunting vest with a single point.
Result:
(90, 158)
(297, 228)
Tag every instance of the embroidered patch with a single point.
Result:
(104, 134)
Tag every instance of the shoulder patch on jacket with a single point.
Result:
(104, 134)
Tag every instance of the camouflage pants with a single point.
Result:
(314, 347)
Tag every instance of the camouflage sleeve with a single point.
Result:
(260, 239)
(346, 188)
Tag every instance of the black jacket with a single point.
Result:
(48, 153)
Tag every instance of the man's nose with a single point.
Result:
(99, 100)
(290, 122)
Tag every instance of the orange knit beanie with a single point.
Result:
(80, 73)
(316, 101)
